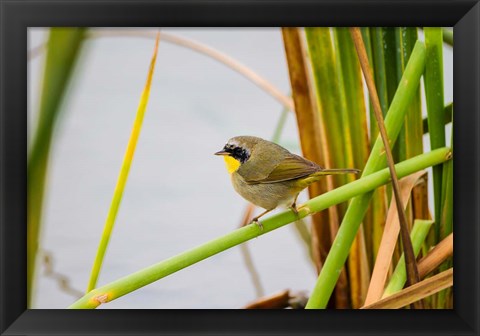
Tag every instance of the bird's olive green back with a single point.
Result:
(270, 163)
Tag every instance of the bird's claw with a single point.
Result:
(259, 224)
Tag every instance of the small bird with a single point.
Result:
(268, 175)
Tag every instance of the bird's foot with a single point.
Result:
(259, 224)
(294, 209)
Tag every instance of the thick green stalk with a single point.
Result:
(322, 57)
(358, 206)
(446, 224)
(155, 272)
(356, 146)
(378, 208)
(367, 40)
(399, 151)
(350, 79)
(392, 78)
(371, 218)
(412, 130)
(380, 75)
(344, 89)
(410, 140)
(64, 46)
(123, 175)
(448, 110)
(447, 199)
(399, 276)
(433, 80)
(390, 53)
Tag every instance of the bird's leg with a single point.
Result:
(294, 205)
(255, 220)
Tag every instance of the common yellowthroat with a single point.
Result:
(268, 175)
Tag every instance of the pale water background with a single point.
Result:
(178, 193)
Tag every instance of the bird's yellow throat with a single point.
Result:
(231, 163)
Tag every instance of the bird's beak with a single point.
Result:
(222, 152)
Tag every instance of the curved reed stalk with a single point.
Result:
(201, 48)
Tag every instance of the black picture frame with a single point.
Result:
(17, 15)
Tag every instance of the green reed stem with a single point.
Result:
(446, 224)
(435, 110)
(123, 176)
(356, 149)
(406, 37)
(351, 89)
(322, 58)
(448, 110)
(379, 72)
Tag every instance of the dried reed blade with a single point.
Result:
(441, 252)
(278, 300)
(389, 239)
(415, 292)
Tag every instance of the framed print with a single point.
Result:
(210, 167)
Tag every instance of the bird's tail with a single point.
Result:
(324, 172)
(338, 171)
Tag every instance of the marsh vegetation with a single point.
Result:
(360, 249)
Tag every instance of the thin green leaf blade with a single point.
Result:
(123, 176)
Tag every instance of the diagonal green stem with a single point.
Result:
(155, 272)
(123, 176)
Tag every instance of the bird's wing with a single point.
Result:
(290, 168)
